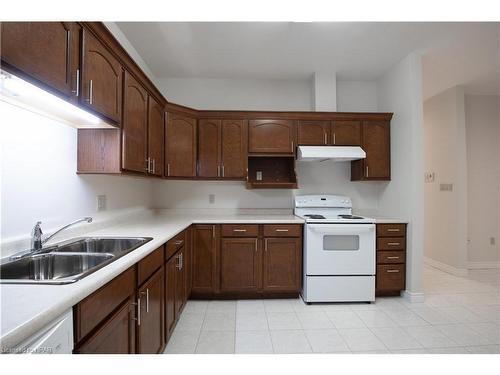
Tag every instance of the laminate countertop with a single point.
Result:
(28, 308)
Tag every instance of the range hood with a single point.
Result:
(335, 153)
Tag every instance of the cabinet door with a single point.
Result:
(271, 136)
(282, 264)
(180, 284)
(101, 78)
(376, 143)
(313, 133)
(134, 127)
(241, 265)
(204, 260)
(180, 146)
(170, 316)
(234, 148)
(156, 136)
(150, 335)
(346, 133)
(45, 51)
(209, 142)
(188, 263)
(116, 335)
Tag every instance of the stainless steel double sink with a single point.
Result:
(68, 261)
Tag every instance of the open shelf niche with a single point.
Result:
(271, 172)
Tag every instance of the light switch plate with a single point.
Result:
(258, 177)
(429, 177)
(446, 187)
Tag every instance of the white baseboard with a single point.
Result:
(446, 267)
(483, 265)
(413, 297)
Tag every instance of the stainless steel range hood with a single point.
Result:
(335, 153)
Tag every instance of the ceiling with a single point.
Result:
(454, 53)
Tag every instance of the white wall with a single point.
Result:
(400, 91)
(357, 96)
(244, 94)
(482, 124)
(39, 180)
(445, 156)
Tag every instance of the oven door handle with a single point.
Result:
(348, 229)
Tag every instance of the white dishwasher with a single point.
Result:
(55, 338)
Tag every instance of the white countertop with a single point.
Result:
(25, 309)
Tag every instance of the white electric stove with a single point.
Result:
(339, 250)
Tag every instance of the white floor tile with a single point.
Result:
(405, 317)
(410, 351)
(345, 319)
(450, 350)
(461, 314)
(250, 305)
(430, 337)
(222, 306)
(219, 321)
(433, 316)
(396, 338)
(194, 306)
(251, 321)
(253, 342)
(379, 351)
(326, 341)
(376, 318)
(299, 305)
(190, 322)
(283, 320)
(278, 305)
(489, 330)
(216, 342)
(361, 339)
(335, 307)
(290, 341)
(314, 320)
(485, 349)
(182, 342)
(463, 335)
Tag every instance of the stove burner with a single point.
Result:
(315, 216)
(351, 217)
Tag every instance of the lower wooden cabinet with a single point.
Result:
(240, 265)
(150, 320)
(204, 261)
(116, 335)
(391, 259)
(282, 264)
(170, 315)
(180, 283)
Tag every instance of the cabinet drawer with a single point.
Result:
(147, 266)
(390, 277)
(175, 244)
(391, 243)
(391, 230)
(93, 309)
(238, 230)
(384, 257)
(282, 230)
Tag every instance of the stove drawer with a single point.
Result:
(390, 277)
(282, 230)
(240, 230)
(385, 257)
(391, 230)
(391, 243)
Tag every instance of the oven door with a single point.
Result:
(340, 249)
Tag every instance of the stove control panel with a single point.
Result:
(322, 201)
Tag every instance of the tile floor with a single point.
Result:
(459, 315)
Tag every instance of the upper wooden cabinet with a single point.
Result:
(101, 78)
(47, 52)
(180, 146)
(313, 133)
(346, 133)
(156, 137)
(271, 136)
(376, 143)
(222, 148)
(134, 126)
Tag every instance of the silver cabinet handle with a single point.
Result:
(154, 165)
(218, 171)
(292, 146)
(76, 91)
(281, 230)
(91, 92)
(147, 300)
(334, 139)
(178, 265)
(213, 231)
(179, 242)
(256, 246)
(325, 138)
(168, 169)
(367, 170)
(147, 165)
(265, 245)
(239, 230)
(139, 311)
(392, 257)
(393, 243)
(392, 271)
(182, 261)
(222, 171)
(393, 230)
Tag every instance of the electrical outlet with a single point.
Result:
(101, 203)
(446, 187)
(211, 198)
(429, 177)
(258, 176)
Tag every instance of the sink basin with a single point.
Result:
(51, 267)
(68, 261)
